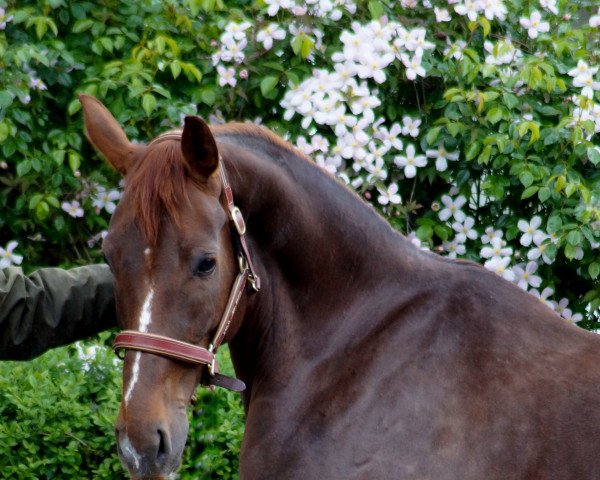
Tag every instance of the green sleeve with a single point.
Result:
(52, 307)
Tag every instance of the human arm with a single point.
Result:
(53, 307)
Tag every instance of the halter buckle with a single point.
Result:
(238, 220)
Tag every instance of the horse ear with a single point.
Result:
(199, 147)
(107, 136)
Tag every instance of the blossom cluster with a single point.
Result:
(317, 8)
(345, 101)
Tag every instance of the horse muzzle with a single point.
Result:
(150, 452)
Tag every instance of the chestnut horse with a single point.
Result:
(363, 357)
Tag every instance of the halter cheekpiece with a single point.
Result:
(190, 353)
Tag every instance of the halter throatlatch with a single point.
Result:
(190, 353)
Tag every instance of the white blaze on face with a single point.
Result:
(144, 322)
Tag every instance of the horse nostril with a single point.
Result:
(164, 447)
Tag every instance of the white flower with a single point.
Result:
(375, 166)
(529, 229)
(226, 76)
(37, 84)
(275, 5)
(455, 50)
(73, 208)
(497, 248)
(390, 138)
(549, 5)
(453, 208)
(588, 83)
(524, 277)
(441, 156)
(106, 199)
(411, 126)
(8, 257)
(582, 68)
(499, 266)
(490, 234)
(455, 247)
(465, 230)
(543, 296)
(413, 66)
(4, 19)
(494, 9)
(534, 24)
(372, 65)
(389, 195)
(566, 313)
(416, 41)
(410, 161)
(441, 15)
(237, 30)
(270, 33)
(540, 249)
(595, 20)
(470, 8)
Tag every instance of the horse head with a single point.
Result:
(169, 245)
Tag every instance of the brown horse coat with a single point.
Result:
(364, 357)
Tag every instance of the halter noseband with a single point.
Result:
(190, 353)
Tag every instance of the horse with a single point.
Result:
(363, 357)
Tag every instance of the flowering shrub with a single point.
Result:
(462, 121)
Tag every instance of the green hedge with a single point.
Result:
(58, 414)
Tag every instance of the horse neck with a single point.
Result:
(317, 246)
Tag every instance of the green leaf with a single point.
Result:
(375, 9)
(148, 103)
(526, 178)
(58, 156)
(442, 232)
(424, 233)
(208, 96)
(554, 224)
(484, 156)
(4, 130)
(6, 98)
(529, 192)
(544, 194)
(82, 25)
(594, 270)
(574, 237)
(267, 84)
(485, 24)
(570, 251)
(494, 115)
(74, 107)
(35, 200)
(42, 210)
(74, 160)
(432, 135)
(472, 151)
(175, 68)
(594, 155)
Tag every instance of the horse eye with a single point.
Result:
(204, 266)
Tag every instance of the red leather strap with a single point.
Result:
(240, 225)
(165, 346)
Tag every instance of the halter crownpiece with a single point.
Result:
(190, 353)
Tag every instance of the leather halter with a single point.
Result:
(190, 353)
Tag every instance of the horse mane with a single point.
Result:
(157, 186)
